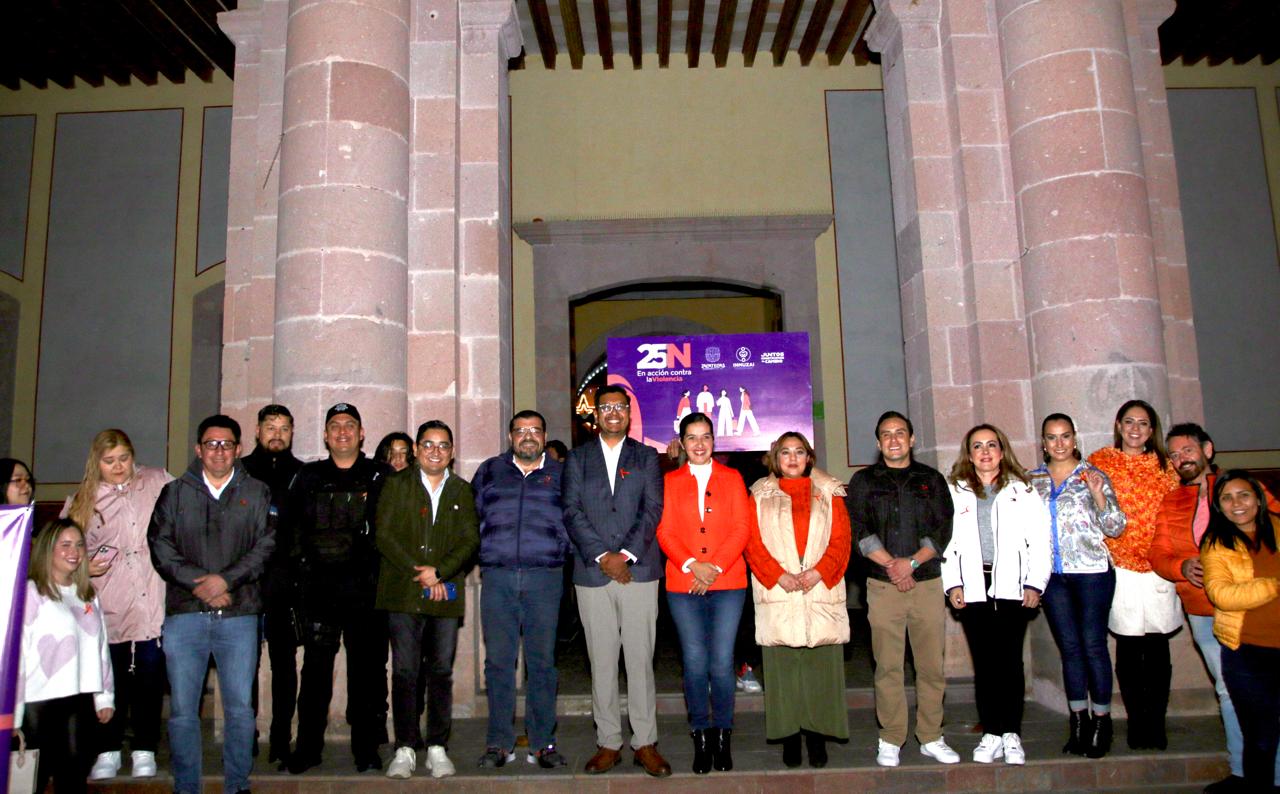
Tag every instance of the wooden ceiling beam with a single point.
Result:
(201, 32)
(123, 39)
(786, 29)
(96, 53)
(755, 26)
(724, 31)
(635, 37)
(849, 28)
(604, 32)
(862, 54)
(693, 38)
(572, 31)
(542, 30)
(159, 29)
(664, 33)
(813, 31)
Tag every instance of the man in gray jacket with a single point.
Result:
(210, 541)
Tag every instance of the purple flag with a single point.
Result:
(15, 548)
(755, 387)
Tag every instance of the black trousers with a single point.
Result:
(364, 634)
(1145, 673)
(63, 730)
(138, 668)
(422, 648)
(1252, 673)
(282, 653)
(995, 630)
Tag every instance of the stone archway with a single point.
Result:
(573, 259)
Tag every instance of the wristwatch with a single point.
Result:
(914, 563)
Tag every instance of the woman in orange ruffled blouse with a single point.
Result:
(1144, 611)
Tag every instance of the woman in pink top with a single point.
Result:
(113, 504)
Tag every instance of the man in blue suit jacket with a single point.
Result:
(612, 504)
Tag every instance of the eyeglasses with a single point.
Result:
(443, 446)
(225, 445)
(612, 408)
(527, 431)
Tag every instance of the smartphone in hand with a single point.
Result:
(450, 591)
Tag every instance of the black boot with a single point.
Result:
(1157, 705)
(1077, 733)
(721, 754)
(701, 751)
(791, 751)
(1098, 736)
(816, 744)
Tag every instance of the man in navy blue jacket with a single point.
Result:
(612, 505)
(523, 548)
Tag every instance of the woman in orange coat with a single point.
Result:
(706, 519)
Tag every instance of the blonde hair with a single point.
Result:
(965, 473)
(84, 503)
(40, 570)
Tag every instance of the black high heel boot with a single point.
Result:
(721, 754)
(791, 751)
(701, 751)
(816, 744)
(1078, 733)
(1099, 737)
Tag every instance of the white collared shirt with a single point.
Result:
(434, 493)
(702, 473)
(611, 457)
(216, 491)
(541, 461)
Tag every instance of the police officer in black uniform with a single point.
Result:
(331, 509)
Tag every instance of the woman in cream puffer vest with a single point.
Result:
(798, 554)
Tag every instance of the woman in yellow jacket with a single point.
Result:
(1242, 580)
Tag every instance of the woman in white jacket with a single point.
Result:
(994, 570)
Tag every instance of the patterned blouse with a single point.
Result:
(1140, 487)
(1077, 525)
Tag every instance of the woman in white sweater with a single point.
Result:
(64, 681)
(994, 570)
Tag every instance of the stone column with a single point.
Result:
(258, 31)
(342, 246)
(1089, 278)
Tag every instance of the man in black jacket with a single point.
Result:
(330, 514)
(210, 540)
(900, 513)
(272, 461)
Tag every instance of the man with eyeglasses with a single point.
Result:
(210, 540)
(330, 514)
(427, 534)
(613, 502)
(523, 548)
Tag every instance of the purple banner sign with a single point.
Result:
(15, 548)
(755, 387)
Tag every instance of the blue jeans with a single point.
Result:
(515, 603)
(1252, 673)
(708, 625)
(1211, 651)
(189, 640)
(1077, 606)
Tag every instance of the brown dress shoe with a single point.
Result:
(652, 761)
(604, 760)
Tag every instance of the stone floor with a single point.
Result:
(1193, 759)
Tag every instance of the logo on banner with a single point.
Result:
(664, 356)
(744, 353)
(713, 354)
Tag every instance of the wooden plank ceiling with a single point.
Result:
(122, 41)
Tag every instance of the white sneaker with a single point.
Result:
(438, 762)
(143, 763)
(989, 749)
(887, 754)
(1013, 752)
(940, 751)
(403, 765)
(106, 767)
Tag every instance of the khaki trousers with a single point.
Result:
(918, 616)
(621, 617)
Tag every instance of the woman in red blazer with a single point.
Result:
(706, 520)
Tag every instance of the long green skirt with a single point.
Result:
(804, 689)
